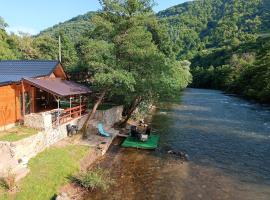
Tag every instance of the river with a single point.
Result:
(228, 143)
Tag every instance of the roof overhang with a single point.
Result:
(58, 87)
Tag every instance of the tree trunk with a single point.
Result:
(136, 102)
(92, 114)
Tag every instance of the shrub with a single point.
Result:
(94, 179)
(8, 182)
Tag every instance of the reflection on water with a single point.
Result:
(228, 142)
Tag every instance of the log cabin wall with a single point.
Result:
(10, 103)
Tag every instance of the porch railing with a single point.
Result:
(67, 115)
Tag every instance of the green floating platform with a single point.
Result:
(151, 143)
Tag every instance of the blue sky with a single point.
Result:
(33, 16)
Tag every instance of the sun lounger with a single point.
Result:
(101, 131)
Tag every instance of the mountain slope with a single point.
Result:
(197, 25)
(72, 28)
(227, 42)
(206, 24)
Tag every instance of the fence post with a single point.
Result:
(58, 111)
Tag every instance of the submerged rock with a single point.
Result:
(179, 154)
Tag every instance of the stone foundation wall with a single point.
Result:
(39, 120)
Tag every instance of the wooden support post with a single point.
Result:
(80, 105)
(33, 99)
(58, 111)
(23, 99)
(70, 107)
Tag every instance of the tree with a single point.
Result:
(106, 77)
(68, 51)
(3, 24)
(7, 49)
(47, 47)
(126, 53)
(26, 47)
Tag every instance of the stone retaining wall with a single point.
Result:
(110, 116)
(39, 120)
(12, 152)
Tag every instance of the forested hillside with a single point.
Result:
(73, 28)
(226, 41)
(210, 24)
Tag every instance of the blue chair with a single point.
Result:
(102, 131)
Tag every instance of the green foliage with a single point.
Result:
(100, 62)
(130, 52)
(47, 47)
(73, 28)
(224, 40)
(247, 74)
(199, 25)
(94, 179)
(3, 24)
(127, 48)
(7, 51)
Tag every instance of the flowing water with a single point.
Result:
(228, 143)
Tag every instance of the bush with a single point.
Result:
(94, 179)
(8, 182)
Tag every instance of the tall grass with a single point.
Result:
(94, 179)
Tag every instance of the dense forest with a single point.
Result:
(227, 43)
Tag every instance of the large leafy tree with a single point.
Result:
(129, 53)
(47, 47)
(7, 49)
(68, 51)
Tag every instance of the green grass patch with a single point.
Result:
(49, 171)
(17, 133)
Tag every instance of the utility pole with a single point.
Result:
(59, 48)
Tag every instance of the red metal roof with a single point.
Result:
(58, 87)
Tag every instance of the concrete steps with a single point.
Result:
(102, 143)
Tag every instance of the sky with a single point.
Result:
(32, 16)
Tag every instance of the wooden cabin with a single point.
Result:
(37, 86)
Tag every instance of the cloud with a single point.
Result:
(18, 29)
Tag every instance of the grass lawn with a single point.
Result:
(17, 133)
(49, 171)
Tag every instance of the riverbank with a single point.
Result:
(228, 153)
(95, 158)
(72, 190)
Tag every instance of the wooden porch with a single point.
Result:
(40, 96)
